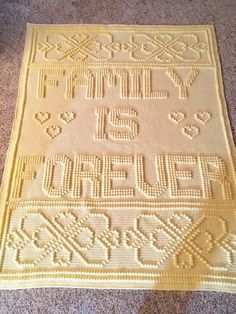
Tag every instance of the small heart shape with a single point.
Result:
(176, 116)
(53, 131)
(64, 219)
(181, 221)
(200, 46)
(202, 116)
(42, 117)
(67, 116)
(191, 131)
(204, 241)
(164, 37)
(110, 238)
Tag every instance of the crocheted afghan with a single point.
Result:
(121, 166)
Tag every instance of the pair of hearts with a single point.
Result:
(43, 117)
(201, 116)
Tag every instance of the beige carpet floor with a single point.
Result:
(14, 14)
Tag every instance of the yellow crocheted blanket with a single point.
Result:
(120, 171)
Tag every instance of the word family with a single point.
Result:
(132, 83)
(63, 176)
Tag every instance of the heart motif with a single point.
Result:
(191, 131)
(202, 117)
(53, 131)
(42, 117)
(201, 46)
(67, 116)
(164, 37)
(180, 221)
(177, 116)
(112, 238)
(204, 240)
(184, 259)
